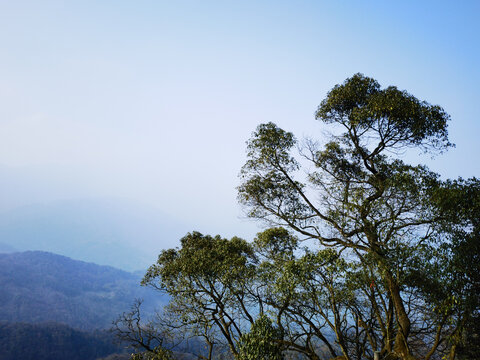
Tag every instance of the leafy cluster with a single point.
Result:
(261, 342)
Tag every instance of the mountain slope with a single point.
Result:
(40, 287)
(52, 341)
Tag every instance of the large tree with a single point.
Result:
(360, 199)
(391, 261)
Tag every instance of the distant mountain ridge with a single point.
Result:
(39, 287)
(115, 232)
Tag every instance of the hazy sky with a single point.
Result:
(153, 100)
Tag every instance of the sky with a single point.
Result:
(153, 101)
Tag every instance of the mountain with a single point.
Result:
(44, 287)
(53, 341)
(114, 232)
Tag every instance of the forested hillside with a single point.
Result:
(45, 287)
(53, 341)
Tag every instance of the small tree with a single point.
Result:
(146, 337)
(156, 354)
(208, 280)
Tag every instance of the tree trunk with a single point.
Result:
(401, 344)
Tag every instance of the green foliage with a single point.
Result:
(400, 118)
(207, 258)
(158, 353)
(460, 200)
(276, 242)
(262, 342)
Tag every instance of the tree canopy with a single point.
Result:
(394, 265)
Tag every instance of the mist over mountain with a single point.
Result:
(44, 287)
(112, 232)
(4, 248)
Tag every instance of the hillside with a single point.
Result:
(45, 287)
(52, 341)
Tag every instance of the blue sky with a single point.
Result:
(153, 101)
